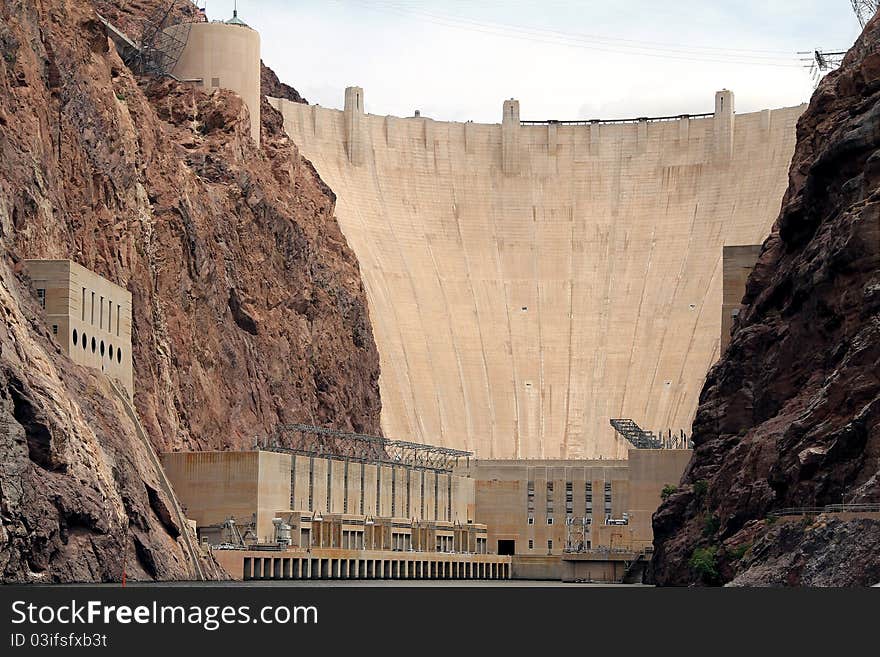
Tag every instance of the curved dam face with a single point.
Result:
(529, 282)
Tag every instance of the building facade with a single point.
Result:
(89, 316)
(548, 507)
(327, 501)
(222, 55)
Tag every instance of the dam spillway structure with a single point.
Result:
(530, 280)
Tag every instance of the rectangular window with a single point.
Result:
(378, 489)
(448, 497)
(311, 481)
(215, 82)
(408, 492)
(292, 481)
(531, 544)
(531, 520)
(393, 492)
(101, 314)
(118, 308)
(550, 544)
(92, 311)
(329, 483)
(41, 296)
(550, 521)
(362, 489)
(83, 307)
(345, 488)
(54, 329)
(109, 316)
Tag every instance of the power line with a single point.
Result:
(589, 42)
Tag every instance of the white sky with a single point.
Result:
(458, 60)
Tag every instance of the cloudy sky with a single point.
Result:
(563, 59)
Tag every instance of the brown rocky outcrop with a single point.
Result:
(790, 415)
(248, 309)
(271, 86)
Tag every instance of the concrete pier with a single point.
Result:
(351, 564)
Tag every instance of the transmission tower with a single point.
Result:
(162, 41)
(821, 61)
(865, 10)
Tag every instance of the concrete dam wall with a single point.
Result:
(527, 283)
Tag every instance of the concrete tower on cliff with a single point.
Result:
(224, 55)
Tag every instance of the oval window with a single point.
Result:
(75, 338)
(102, 348)
(119, 355)
(85, 341)
(94, 345)
(110, 351)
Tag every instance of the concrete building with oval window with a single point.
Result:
(222, 55)
(90, 317)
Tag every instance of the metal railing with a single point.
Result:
(639, 119)
(828, 508)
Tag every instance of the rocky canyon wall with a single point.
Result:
(248, 308)
(790, 416)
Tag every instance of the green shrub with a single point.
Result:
(740, 551)
(668, 490)
(701, 487)
(704, 561)
(711, 523)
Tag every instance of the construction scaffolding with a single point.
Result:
(163, 36)
(641, 439)
(308, 440)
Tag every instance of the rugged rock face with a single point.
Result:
(248, 308)
(790, 415)
(271, 86)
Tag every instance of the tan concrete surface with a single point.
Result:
(360, 564)
(737, 263)
(528, 501)
(220, 55)
(528, 283)
(89, 316)
(260, 484)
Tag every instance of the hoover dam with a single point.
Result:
(528, 281)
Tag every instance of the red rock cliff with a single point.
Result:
(248, 309)
(790, 416)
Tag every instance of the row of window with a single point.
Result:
(549, 544)
(96, 346)
(110, 305)
(378, 504)
(550, 520)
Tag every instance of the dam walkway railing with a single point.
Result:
(638, 119)
(828, 508)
